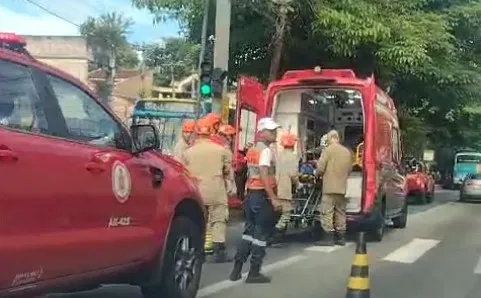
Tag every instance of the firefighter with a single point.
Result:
(260, 205)
(334, 167)
(286, 176)
(216, 120)
(210, 164)
(186, 139)
(225, 137)
(241, 171)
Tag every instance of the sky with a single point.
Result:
(24, 18)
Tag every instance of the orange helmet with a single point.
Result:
(227, 130)
(203, 127)
(188, 126)
(215, 118)
(288, 140)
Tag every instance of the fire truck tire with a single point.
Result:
(184, 249)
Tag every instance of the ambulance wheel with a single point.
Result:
(400, 222)
(182, 264)
(316, 230)
(378, 233)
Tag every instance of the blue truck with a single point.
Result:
(168, 115)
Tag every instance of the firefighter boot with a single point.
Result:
(328, 239)
(219, 254)
(340, 238)
(208, 249)
(256, 277)
(236, 273)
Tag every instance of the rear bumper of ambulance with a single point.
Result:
(363, 222)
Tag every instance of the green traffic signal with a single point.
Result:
(205, 90)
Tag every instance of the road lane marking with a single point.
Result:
(434, 209)
(326, 249)
(412, 251)
(226, 284)
(477, 269)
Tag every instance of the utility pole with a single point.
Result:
(203, 45)
(110, 76)
(221, 46)
(172, 80)
(203, 38)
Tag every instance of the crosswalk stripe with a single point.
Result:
(226, 284)
(412, 251)
(326, 249)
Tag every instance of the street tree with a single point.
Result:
(173, 60)
(107, 38)
(427, 53)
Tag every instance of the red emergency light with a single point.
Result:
(12, 38)
(319, 72)
(13, 42)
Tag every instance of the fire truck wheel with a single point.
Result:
(182, 263)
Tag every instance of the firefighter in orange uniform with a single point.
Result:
(210, 164)
(186, 139)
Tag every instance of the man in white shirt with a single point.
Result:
(260, 205)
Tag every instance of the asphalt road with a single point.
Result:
(437, 256)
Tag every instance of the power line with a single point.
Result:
(51, 12)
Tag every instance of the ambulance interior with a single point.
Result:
(312, 112)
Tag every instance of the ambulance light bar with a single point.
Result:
(13, 42)
(12, 38)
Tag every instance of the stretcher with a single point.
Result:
(306, 200)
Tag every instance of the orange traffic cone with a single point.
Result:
(359, 285)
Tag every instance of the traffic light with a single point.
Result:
(218, 77)
(205, 80)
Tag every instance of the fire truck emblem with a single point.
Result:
(121, 182)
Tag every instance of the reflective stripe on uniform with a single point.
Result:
(254, 241)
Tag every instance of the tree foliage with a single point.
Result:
(108, 33)
(427, 53)
(107, 39)
(177, 57)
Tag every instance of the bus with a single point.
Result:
(167, 115)
(465, 163)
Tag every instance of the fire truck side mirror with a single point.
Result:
(145, 137)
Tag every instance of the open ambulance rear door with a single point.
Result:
(249, 109)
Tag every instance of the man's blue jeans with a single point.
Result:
(259, 218)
